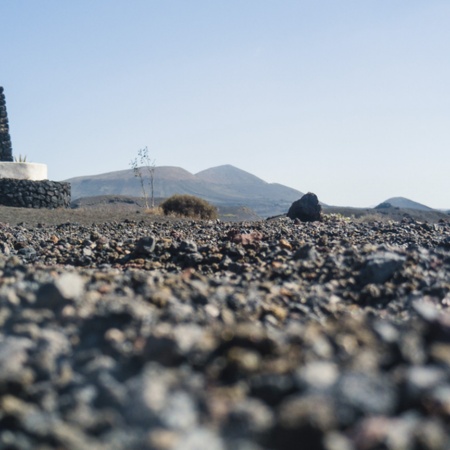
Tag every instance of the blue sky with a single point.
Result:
(349, 99)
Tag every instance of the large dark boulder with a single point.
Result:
(307, 209)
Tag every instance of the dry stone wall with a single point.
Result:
(26, 193)
(34, 194)
(5, 139)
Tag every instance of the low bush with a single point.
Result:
(189, 206)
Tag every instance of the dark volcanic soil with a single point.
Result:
(185, 335)
(85, 214)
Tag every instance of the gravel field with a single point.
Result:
(191, 335)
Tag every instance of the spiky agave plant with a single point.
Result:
(21, 159)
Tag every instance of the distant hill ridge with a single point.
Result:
(227, 174)
(222, 185)
(405, 203)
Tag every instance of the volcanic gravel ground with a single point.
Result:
(209, 336)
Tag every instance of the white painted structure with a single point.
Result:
(23, 171)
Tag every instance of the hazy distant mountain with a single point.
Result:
(405, 203)
(222, 185)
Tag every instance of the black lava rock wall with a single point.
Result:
(5, 139)
(34, 194)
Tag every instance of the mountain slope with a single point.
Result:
(222, 185)
(228, 174)
(406, 203)
(234, 182)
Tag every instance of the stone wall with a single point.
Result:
(34, 194)
(5, 139)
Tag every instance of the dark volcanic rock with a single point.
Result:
(5, 139)
(203, 335)
(381, 266)
(307, 209)
(145, 246)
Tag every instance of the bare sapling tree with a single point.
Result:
(144, 169)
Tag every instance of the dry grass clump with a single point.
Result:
(365, 218)
(155, 211)
(189, 206)
(368, 218)
(336, 217)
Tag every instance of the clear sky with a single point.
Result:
(349, 99)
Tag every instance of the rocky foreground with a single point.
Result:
(209, 336)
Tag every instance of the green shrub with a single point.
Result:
(188, 206)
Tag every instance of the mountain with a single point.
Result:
(405, 203)
(222, 185)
